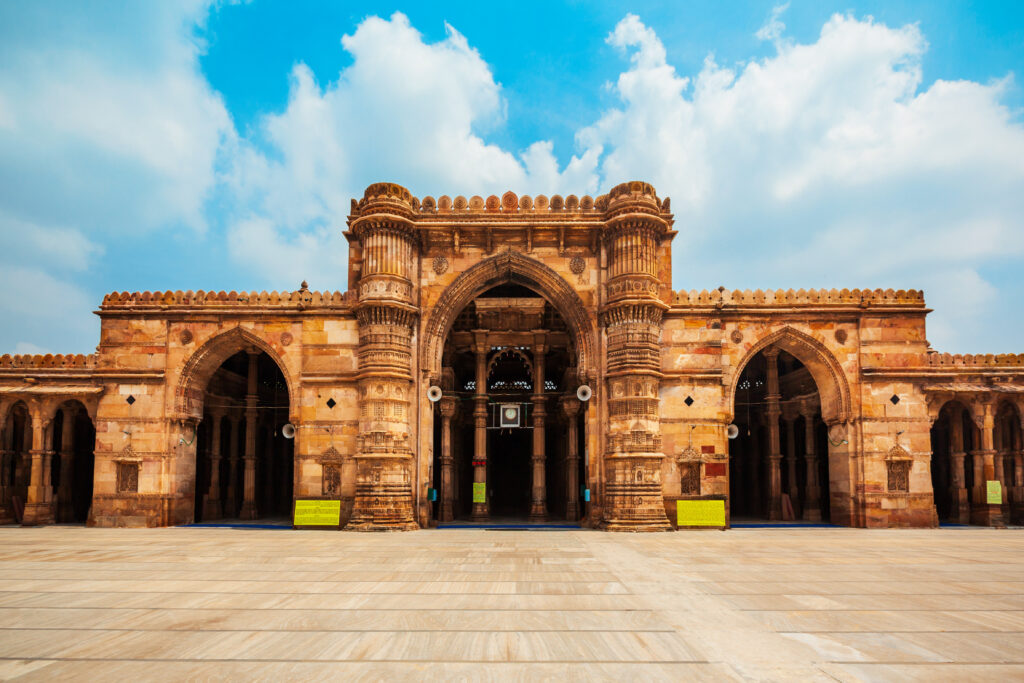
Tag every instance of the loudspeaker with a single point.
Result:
(288, 430)
(434, 393)
(584, 393)
(732, 431)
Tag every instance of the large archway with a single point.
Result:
(508, 444)
(236, 392)
(74, 441)
(784, 465)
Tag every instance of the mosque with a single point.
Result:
(514, 358)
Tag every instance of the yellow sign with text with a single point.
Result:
(479, 492)
(700, 513)
(317, 513)
(994, 493)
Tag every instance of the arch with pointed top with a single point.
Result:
(201, 365)
(516, 268)
(833, 387)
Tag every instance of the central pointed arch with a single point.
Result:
(510, 267)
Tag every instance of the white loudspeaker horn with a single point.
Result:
(434, 393)
(732, 431)
(288, 430)
(584, 392)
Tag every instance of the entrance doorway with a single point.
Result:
(512, 451)
(244, 459)
(779, 462)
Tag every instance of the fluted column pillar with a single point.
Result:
(958, 484)
(39, 501)
(65, 506)
(447, 508)
(386, 314)
(772, 413)
(812, 490)
(539, 498)
(212, 503)
(481, 509)
(252, 399)
(571, 408)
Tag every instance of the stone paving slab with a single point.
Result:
(472, 604)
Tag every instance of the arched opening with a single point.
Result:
(515, 438)
(954, 443)
(74, 442)
(778, 463)
(17, 462)
(1009, 460)
(244, 459)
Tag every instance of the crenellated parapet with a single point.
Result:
(758, 298)
(967, 361)
(300, 299)
(48, 361)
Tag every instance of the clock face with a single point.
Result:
(510, 413)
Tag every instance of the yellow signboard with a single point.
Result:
(700, 513)
(317, 513)
(479, 492)
(994, 493)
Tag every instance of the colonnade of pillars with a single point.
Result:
(239, 489)
(811, 503)
(27, 462)
(570, 407)
(996, 454)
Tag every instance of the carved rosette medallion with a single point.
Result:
(186, 337)
(440, 265)
(286, 338)
(577, 265)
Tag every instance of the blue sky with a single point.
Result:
(814, 144)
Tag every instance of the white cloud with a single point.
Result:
(828, 165)
(405, 110)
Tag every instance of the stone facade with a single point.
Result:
(843, 409)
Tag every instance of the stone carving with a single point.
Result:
(127, 477)
(841, 336)
(440, 265)
(736, 336)
(689, 479)
(898, 475)
(331, 480)
(286, 338)
(186, 337)
(577, 265)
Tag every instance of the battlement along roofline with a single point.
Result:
(759, 298)
(44, 361)
(391, 195)
(976, 360)
(300, 299)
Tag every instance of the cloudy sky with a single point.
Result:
(197, 146)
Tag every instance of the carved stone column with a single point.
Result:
(481, 510)
(252, 399)
(571, 408)
(958, 486)
(231, 503)
(772, 413)
(984, 467)
(6, 466)
(382, 225)
(791, 483)
(65, 506)
(212, 504)
(447, 508)
(267, 467)
(812, 490)
(39, 501)
(634, 232)
(539, 499)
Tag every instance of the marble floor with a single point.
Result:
(469, 604)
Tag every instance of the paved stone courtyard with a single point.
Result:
(763, 604)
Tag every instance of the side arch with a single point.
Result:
(199, 368)
(510, 267)
(833, 387)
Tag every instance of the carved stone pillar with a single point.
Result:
(571, 408)
(539, 499)
(791, 483)
(267, 467)
(772, 413)
(65, 506)
(212, 504)
(984, 468)
(387, 316)
(481, 509)
(447, 508)
(812, 490)
(231, 502)
(39, 501)
(252, 399)
(632, 316)
(6, 465)
(958, 486)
